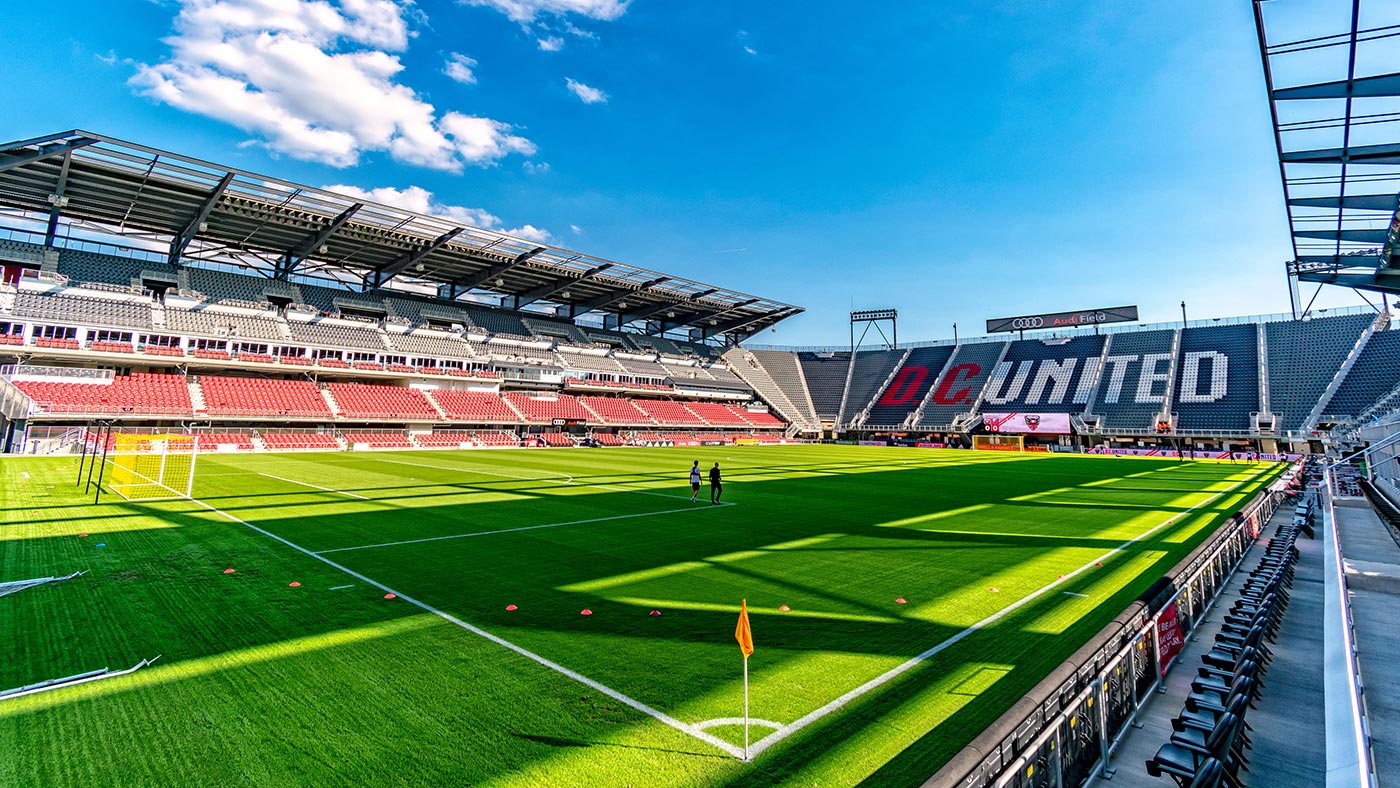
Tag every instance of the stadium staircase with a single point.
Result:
(1264, 420)
(330, 400)
(196, 396)
(971, 419)
(784, 370)
(845, 392)
(866, 383)
(157, 313)
(1381, 323)
(1167, 413)
(748, 368)
(1088, 421)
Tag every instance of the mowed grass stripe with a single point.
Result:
(817, 527)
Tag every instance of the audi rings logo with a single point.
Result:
(1028, 322)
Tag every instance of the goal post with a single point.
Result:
(152, 467)
(999, 442)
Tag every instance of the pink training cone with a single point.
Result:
(511, 607)
(655, 613)
(294, 584)
(80, 536)
(390, 596)
(228, 571)
(1098, 564)
(585, 612)
(784, 608)
(901, 601)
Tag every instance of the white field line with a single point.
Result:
(315, 486)
(718, 721)
(697, 507)
(338, 588)
(567, 480)
(686, 728)
(811, 717)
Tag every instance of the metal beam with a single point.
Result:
(1357, 236)
(57, 199)
(1343, 260)
(467, 283)
(1388, 153)
(740, 322)
(391, 270)
(9, 161)
(311, 243)
(691, 321)
(182, 240)
(1379, 86)
(1356, 202)
(548, 289)
(623, 320)
(608, 299)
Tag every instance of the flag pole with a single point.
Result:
(746, 707)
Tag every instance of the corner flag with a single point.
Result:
(742, 632)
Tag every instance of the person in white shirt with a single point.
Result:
(695, 481)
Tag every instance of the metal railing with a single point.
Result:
(1064, 731)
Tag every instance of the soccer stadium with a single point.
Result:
(306, 487)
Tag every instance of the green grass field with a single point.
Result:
(330, 683)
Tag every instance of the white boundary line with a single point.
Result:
(697, 507)
(811, 717)
(718, 721)
(686, 728)
(308, 484)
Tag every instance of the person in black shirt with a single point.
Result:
(715, 487)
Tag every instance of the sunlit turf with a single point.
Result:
(260, 683)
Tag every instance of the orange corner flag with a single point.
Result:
(742, 632)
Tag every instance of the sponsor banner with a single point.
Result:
(1240, 456)
(753, 441)
(1038, 447)
(844, 443)
(712, 443)
(1087, 317)
(927, 445)
(1169, 638)
(1040, 423)
(874, 443)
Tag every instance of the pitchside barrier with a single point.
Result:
(1061, 732)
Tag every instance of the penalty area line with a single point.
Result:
(690, 730)
(314, 486)
(562, 479)
(521, 528)
(787, 730)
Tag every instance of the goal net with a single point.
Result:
(998, 443)
(151, 467)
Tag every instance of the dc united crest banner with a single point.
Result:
(1039, 423)
(1169, 638)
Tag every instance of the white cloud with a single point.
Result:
(315, 80)
(459, 68)
(573, 30)
(527, 10)
(535, 169)
(551, 44)
(420, 200)
(750, 50)
(585, 93)
(575, 229)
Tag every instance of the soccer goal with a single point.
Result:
(152, 467)
(998, 443)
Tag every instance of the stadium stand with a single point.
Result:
(786, 373)
(82, 266)
(138, 394)
(957, 391)
(222, 441)
(429, 344)
(718, 415)
(556, 439)
(482, 406)
(498, 438)
(669, 413)
(372, 401)
(614, 410)
(1217, 378)
(870, 369)
(1304, 356)
(1054, 376)
(281, 441)
(444, 440)
(378, 440)
(1133, 382)
(542, 409)
(498, 322)
(82, 310)
(1373, 376)
(909, 386)
(825, 375)
(226, 288)
(336, 334)
(591, 363)
(761, 419)
(217, 323)
(608, 439)
(260, 397)
(751, 370)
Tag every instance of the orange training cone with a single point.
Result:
(784, 608)
(900, 601)
(390, 596)
(294, 584)
(228, 571)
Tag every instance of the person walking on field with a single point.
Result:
(716, 489)
(695, 481)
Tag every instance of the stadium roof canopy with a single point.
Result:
(1334, 94)
(201, 211)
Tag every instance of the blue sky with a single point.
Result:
(957, 161)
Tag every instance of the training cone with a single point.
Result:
(228, 571)
(994, 590)
(784, 608)
(901, 601)
(390, 596)
(101, 544)
(1098, 564)
(585, 612)
(1062, 577)
(655, 613)
(511, 607)
(81, 536)
(294, 584)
